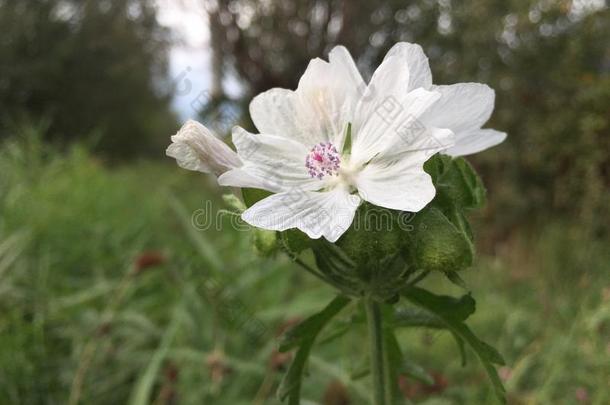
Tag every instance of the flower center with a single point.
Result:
(323, 160)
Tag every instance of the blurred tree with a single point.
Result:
(549, 62)
(86, 66)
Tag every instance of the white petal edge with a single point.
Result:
(475, 141)
(321, 106)
(401, 185)
(196, 148)
(416, 62)
(462, 107)
(270, 162)
(325, 214)
(339, 56)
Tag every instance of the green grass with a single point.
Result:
(82, 322)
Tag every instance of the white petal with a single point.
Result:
(415, 137)
(401, 185)
(270, 162)
(340, 57)
(475, 141)
(416, 62)
(277, 111)
(328, 214)
(382, 120)
(320, 108)
(462, 107)
(196, 148)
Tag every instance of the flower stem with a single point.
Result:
(376, 344)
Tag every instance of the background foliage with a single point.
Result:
(83, 67)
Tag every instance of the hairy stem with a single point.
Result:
(376, 344)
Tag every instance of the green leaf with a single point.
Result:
(290, 387)
(416, 372)
(453, 312)
(253, 195)
(311, 326)
(459, 184)
(304, 336)
(436, 166)
(413, 318)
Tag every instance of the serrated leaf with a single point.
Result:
(304, 336)
(253, 195)
(444, 307)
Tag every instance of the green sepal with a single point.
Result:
(437, 165)
(453, 312)
(457, 183)
(455, 278)
(295, 241)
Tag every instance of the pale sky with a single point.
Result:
(190, 57)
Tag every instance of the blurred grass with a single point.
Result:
(109, 295)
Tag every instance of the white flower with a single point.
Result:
(318, 174)
(195, 148)
(301, 153)
(463, 107)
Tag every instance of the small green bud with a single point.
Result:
(437, 244)
(264, 241)
(374, 236)
(234, 203)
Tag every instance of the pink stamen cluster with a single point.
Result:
(323, 160)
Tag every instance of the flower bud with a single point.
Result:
(436, 244)
(265, 242)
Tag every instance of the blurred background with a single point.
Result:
(109, 294)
